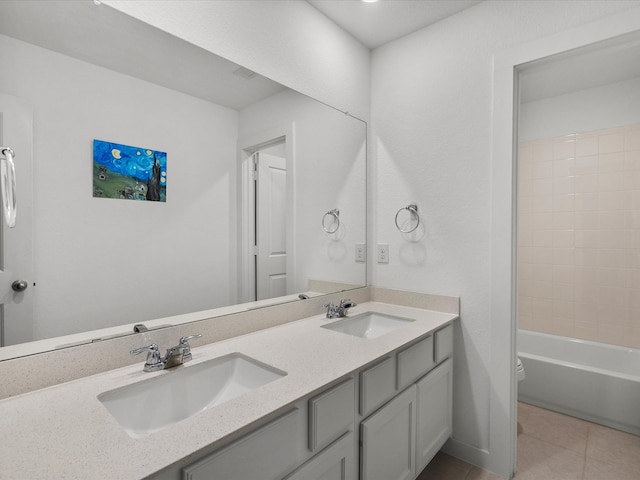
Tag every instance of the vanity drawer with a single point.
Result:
(331, 414)
(377, 385)
(444, 343)
(265, 454)
(415, 361)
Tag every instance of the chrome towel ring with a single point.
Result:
(413, 210)
(334, 216)
(8, 185)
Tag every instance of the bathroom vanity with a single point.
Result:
(331, 402)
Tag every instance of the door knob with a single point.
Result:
(19, 286)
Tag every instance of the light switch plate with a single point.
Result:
(361, 252)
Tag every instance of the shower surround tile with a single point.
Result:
(579, 217)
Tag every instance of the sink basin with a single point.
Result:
(368, 325)
(151, 405)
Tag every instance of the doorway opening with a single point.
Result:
(269, 177)
(578, 185)
(267, 216)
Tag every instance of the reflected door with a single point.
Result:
(16, 252)
(271, 226)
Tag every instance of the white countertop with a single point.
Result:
(65, 432)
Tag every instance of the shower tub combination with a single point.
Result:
(593, 381)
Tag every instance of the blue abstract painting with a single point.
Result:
(130, 173)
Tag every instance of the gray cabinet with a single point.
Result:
(444, 343)
(266, 454)
(336, 462)
(388, 440)
(400, 438)
(377, 385)
(385, 421)
(433, 413)
(415, 361)
(331, 414)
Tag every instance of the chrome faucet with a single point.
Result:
(338, 311)
(175, 356)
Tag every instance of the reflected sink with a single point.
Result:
(368, 325)
(151, 405)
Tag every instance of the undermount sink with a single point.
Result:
(368, 325)
(151, 405)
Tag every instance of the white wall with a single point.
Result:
(585, 110)
(330, 172)
(431, 141)
(287, 41)
(85, 246)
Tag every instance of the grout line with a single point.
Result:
(586, 448)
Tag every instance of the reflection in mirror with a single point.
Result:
(75, 72)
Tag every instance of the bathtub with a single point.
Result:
(594, 381)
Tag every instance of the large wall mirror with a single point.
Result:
(222, 234)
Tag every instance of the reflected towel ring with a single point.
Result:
(335, 215)
(413, 209)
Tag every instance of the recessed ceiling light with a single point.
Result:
(369, 1)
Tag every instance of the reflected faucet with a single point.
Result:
(175, 356)
(339, 311)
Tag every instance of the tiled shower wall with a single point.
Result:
(579, 235)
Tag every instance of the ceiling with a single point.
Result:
(101, 35)
(107, 38)
(375, 24)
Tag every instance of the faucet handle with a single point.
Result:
(154, 362)
(153, 348)
(347, 303)
(186, 351)
(185, 340)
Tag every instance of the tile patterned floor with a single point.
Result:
(552, 446)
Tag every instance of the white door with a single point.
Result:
(271, 226)
(16, 252)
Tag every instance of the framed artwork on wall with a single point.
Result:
(129, 173)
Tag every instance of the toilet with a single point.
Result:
(519, 370)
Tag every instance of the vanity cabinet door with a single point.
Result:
(415, 361)
(377, 385)
(331, 414)
(444, 343)
(269, 453)
(388, 440)
(336, 462)
(434, 413)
